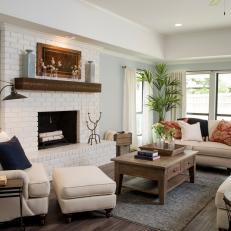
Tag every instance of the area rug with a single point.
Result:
(181, 206)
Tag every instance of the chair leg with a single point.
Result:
(42, 219)
(68, 218)
(108, 213)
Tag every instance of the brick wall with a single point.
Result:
(19, 117)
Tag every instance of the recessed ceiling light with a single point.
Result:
(178, 24)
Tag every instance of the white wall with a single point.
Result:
(112, 79)
(201, 44)
(19, 117)
(80, 18)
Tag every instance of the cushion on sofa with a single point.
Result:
(82, 181)
(225, 186)
(222, 133)
(203, 125)
(188, 143)
(39, 185)
(190, 131)
(208, 148)
(173, 124)
(212, 125)
(12, 155)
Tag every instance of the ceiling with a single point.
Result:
(161, 15)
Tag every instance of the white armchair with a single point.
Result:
(222, 217)
(36, 190)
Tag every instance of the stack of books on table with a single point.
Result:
(147, 155)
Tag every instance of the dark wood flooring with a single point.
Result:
(96, 221)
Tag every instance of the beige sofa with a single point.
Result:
(36, 189)
(210, 153)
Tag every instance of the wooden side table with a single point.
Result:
(14, 188)
(227, 200)
(123, 142)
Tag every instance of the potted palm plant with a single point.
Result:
(166, 92)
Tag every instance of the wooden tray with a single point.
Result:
(165, 151)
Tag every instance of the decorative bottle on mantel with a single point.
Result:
(29, 64)
(90, 72)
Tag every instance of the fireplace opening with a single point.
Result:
(57, 128)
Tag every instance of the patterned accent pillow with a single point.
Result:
(222, 133)
(173, 124)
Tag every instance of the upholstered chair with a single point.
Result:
(36, 190)
(222, 216)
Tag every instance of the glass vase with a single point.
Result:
(160, 142)
(171, 143)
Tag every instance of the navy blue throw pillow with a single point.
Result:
(12, 155)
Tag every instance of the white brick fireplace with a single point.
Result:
(19, 117)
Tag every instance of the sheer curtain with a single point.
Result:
(147, 116)
(129, 103)
(180, 109)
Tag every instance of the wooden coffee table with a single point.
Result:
(162, 174)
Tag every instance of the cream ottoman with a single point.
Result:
(83, 188)
(222, 218)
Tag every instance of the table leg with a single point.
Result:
(162, 187)
(118, 179)
(192, 171)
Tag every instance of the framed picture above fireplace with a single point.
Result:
(53, 61)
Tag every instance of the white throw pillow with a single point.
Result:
(4, 137)
(190, 131)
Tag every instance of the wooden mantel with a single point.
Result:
(36, 84)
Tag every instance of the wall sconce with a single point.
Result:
(13, 93)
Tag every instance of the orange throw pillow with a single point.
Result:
(173, 124)
(222, 133)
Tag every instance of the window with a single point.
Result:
(197, 95)
(223, 96)
(139, 110)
